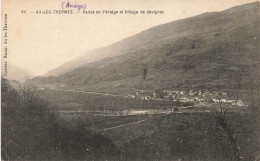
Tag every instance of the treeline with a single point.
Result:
(31, 132)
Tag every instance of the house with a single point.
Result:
(215, 100)
(154, 95)
(224, 94)
(145, 97)
(191, 93)
(130, 96)
(175, 109)
(240, 103)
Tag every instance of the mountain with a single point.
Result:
(16, 73)
(216, 50)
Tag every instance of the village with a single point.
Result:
(190, 96)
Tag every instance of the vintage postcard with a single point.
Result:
(130, 80)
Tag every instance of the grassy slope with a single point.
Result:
(212, 50)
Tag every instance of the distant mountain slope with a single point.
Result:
(212, 50)
(16, 73)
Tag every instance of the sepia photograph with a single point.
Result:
(130, 80)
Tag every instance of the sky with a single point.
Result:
(39, 43)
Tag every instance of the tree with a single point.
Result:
(31, 131)
(144, 73)
(233, 122)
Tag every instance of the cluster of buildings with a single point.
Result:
(189, 96)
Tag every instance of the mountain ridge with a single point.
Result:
(16, 73)
(81, 60)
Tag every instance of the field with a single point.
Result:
(184, 136)
(190, 134)
(67, 100)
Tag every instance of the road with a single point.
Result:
(131, 123)
(94, 93)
